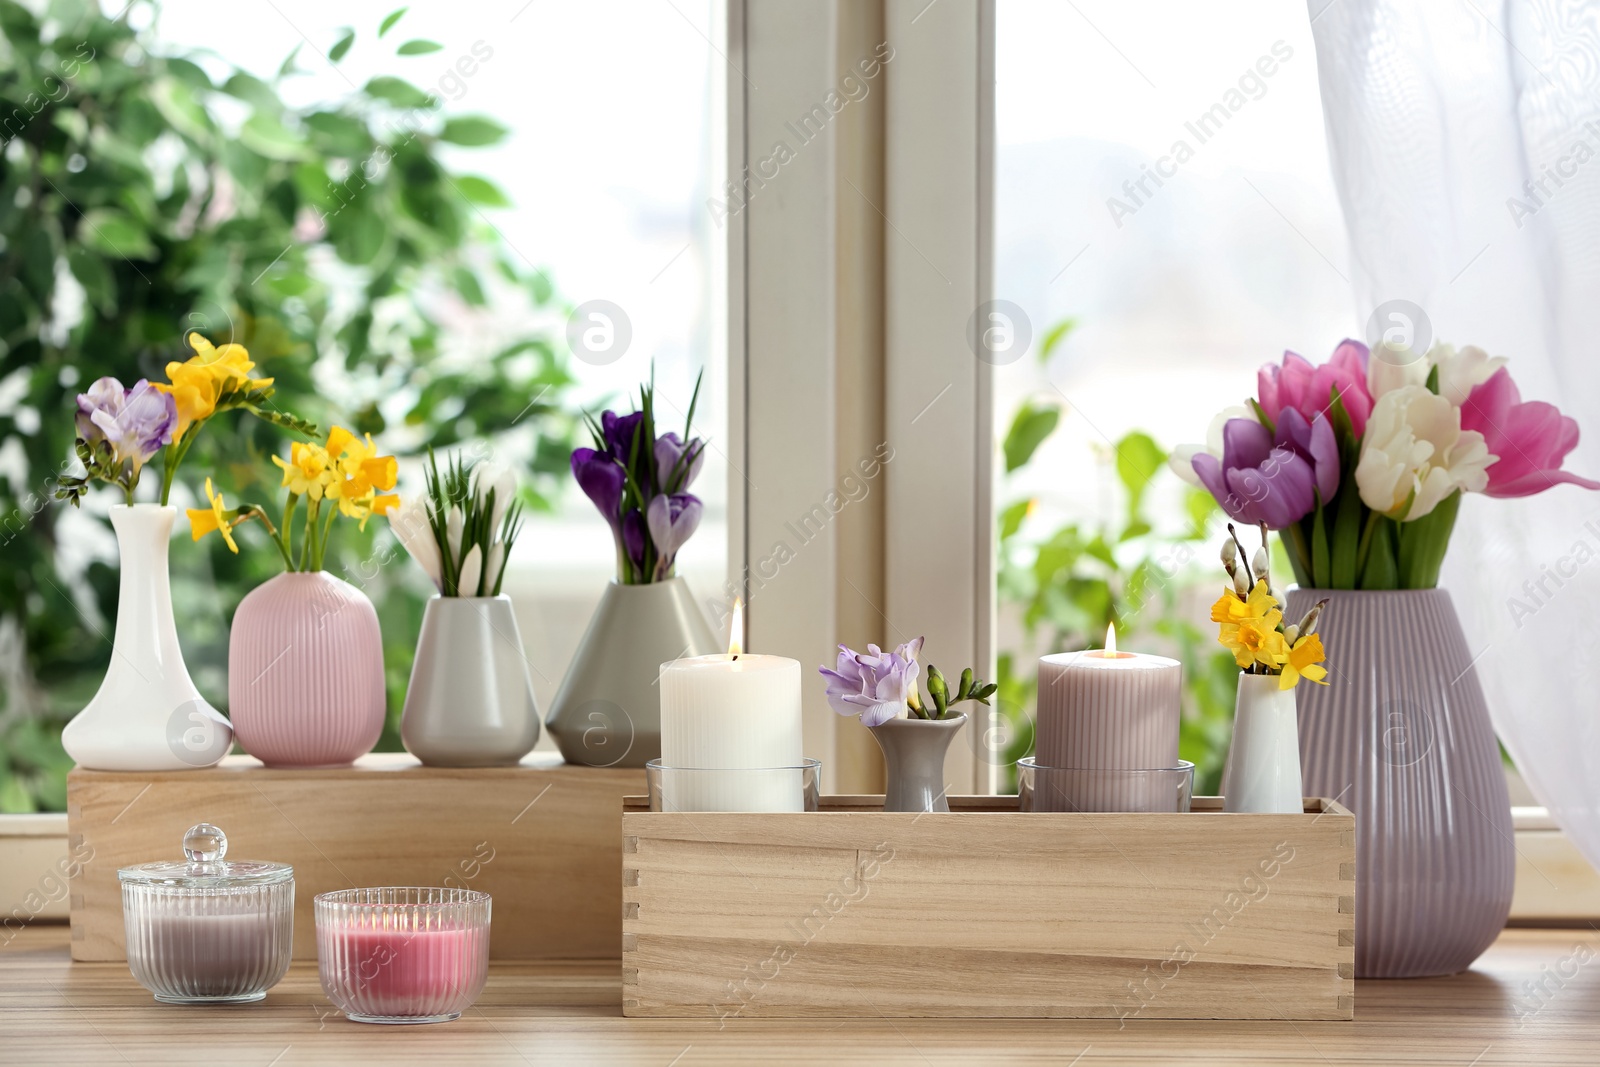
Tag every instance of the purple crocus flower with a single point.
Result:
(619, 431)
(136, 423)
(669, 450)
(633, 534)
(601, 481)
(1275, 481)
(672, 519)
(875, 686)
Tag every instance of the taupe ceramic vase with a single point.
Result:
(607, 712)
(470, 702)
(913, 751)
(1401, 736)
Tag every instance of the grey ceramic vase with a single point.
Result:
(1401, 736)
(913, 754)
(607, 712)
(470, 702)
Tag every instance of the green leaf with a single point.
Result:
(1011, 518)
(1139, 459)
(1261, 415)
(472, 130)
(466, 283)
(1200, 506)
(178, 106)
(99, 286)
(1382, 570)
(389, 20)
(338, 134)
(115, 233)
(481, 191)
(1433, 379)
(1029, 428)
(1321, 570)
(341, 46)
(1346, 534)
(399, 92)
(253, 91)
(419, 47)
(264, 134)
(1054, 336)
(287, 67)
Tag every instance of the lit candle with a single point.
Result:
(1106, 709)
(726, 721)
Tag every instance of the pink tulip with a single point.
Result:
(1309, 389)
(1530, 439)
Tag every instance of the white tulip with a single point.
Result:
(410, 524)
(1391, 367)
(1182, 459)
(471, 570)
(1460, 371)
(1414, 444)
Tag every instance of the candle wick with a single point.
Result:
(736, 657)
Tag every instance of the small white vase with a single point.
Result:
(147, 714)
(1263, 769)
(470, 702)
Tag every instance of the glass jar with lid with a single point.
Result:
(206, 930)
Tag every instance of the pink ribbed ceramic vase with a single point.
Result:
(1401, 736)
(305, 672)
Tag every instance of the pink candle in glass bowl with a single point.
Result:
(1103, 709)
(403, 955)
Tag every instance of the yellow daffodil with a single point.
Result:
(359, 473)
(306, 474)
(1250, 627)
(381, 505)
(217, 517)
(1304, 659)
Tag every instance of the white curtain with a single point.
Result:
(1465, 143)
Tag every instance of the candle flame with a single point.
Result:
(736, 628)
(1111, 639)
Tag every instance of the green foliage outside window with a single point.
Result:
(143, 195)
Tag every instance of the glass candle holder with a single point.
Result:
(1158, 789)
(403, 955)
(205, 930)
(734, 788)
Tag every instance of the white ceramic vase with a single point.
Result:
(470, 702)
(147, 714)
(1263, 769)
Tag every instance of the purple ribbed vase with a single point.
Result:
(1401, 736)
(305, 672)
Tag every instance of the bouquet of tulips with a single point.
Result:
(640, 483)
(344, 476)
(1361, 462)
(122, 429)
(1251, 620)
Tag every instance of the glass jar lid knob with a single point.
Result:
(205, 843)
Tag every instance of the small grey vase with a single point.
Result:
(913, 750)
(607, 712)
(470, 702)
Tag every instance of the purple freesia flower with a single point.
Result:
(669, 450)
(876, 686)
(1275, 481)
(136, 423)
(633, 534)
(601, 481)
(672, 519)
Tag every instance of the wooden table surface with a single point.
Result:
(53, 1011)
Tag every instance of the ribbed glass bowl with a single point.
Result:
(403, 954)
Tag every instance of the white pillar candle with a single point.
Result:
(1108, 710)
(726, 714)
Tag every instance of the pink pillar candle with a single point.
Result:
(1108, 710)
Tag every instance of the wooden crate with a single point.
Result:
(989, 912)
(541, 838)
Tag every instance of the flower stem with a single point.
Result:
(310, 534)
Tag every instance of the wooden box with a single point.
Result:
(541, 838)
(989, 912)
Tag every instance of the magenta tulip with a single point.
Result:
(1530, 439)
(1309, 389)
